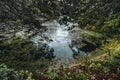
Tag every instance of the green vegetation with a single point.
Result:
(21, 53)
(20, 59)
(11, 74)
(100, 68)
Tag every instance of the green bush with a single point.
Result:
(11, 74)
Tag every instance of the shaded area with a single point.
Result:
(89, 46)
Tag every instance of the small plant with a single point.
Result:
(81, 76)
(51, 75)
(66, 76)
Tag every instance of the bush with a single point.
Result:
(11, 74)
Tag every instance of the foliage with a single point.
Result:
(21, 51)
(51, 75)
(111, 23)
(108, 68)
(97, 15)
(104, 67)
(10, 74)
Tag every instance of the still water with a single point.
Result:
(60, 38)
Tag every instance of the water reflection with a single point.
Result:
(61, 40)
(57, 38)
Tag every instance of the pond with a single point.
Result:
(61, 40)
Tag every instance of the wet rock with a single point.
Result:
(50, 40)
(89, 46)
(20, 34)
(2, 36)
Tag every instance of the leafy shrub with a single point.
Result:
(51, 75)
(11, 74)
(111, 24)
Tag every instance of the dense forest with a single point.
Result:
(59, 39)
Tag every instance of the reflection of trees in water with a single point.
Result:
(44, 51)
(50, 54)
